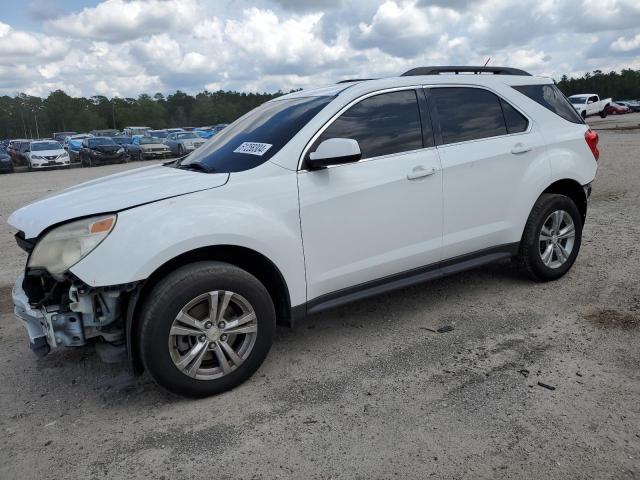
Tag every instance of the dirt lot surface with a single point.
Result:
(367, 391)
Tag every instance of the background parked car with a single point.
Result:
(17, 149)
(174, 130)
(132, 150)
(617, 109)
(151, 147)
(204, 132)
(633, 105)
(60, 136)
(587, 104)
(100, 150)
(110, 132)
(46, 154)
(217, 128)
(182, 143)
(157, 133)
(131, 131)
(73, 143)
(6, 164)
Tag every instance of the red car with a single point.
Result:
(616, 109)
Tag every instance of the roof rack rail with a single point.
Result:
(469, 69)
(350, 80)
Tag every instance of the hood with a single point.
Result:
(48, 153)
(148, 146)
(193, 141)
(106, 148)
(111, 194)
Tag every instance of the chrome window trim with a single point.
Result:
(333, 118)
(482, 87)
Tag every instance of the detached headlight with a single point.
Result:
(66, 245)
(120, 150)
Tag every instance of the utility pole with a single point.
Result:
(113, 114)
(37, 130)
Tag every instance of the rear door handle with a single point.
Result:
(419, 172)
(521, 148)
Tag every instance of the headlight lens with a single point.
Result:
(66, 245)
(120, 150)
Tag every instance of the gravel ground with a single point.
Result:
(367, 390)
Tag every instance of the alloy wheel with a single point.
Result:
(213, 335)
(557, 239)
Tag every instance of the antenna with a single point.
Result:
(487, 62)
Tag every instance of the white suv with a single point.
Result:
(312, 200)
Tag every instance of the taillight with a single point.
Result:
(592, 138)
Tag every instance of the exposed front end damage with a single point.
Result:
(68, 313)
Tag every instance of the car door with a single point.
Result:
(382, 215)
(494, 164)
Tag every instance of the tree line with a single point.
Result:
(619, 86)
(26, 116)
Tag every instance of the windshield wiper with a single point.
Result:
(197, 167)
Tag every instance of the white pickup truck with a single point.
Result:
(587, 104)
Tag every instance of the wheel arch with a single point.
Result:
(572, 189)
(250, 260)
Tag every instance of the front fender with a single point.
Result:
(257, 209)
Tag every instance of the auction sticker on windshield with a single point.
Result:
(253, 148)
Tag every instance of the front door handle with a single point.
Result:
(521, 148)
(419, 172)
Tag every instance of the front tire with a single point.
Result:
(603, 113)
(205, 328)
(551, 239)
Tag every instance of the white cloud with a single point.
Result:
(120, 20)
(623, 44)
(128, 47)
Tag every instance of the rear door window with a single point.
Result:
(383, 124)
(551, 98)
(467, 114)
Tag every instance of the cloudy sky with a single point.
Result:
(127, 47)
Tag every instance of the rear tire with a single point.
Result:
(551, 239)
(166, 342)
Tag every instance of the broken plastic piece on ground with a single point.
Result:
(445, 329)
(548, 387)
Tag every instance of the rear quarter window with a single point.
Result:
(551, 98)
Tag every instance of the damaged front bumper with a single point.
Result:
(77, 315)
(33, 321)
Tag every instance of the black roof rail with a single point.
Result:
(350, 80)
(469, 69)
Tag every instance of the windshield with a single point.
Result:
(257, 136)
(123, 140)
(148, 140)
(577, 100)
(101, 141)
(41, 146)
(185, 136)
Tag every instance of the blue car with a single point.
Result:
(132, 149)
